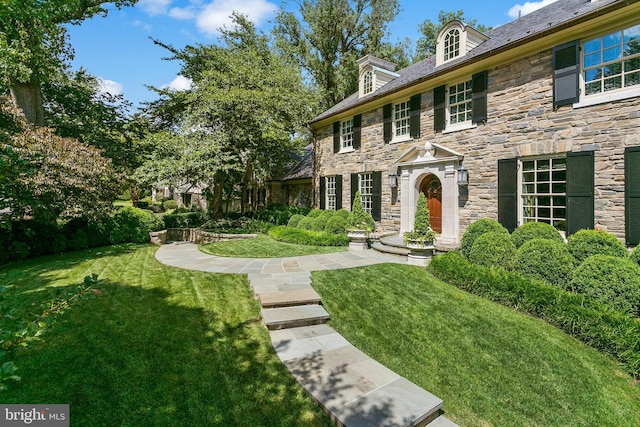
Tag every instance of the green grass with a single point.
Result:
(490, 364)
(264, 246)
(157, 346)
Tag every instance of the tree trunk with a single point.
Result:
(28, 98)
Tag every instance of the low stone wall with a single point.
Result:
(194, 235)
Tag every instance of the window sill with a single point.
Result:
(403, 138)
(346, 150)
(588, 101)
(460, 126)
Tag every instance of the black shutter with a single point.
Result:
(566, 74)
(632, 195)
(508, 193)
(414, 115)
(323, 192)
(338, 192)
(439, 104)
(580, 190)
(336, 137)
(386, 120)
(357, 131)
(479, 83)
(376, 196)
(354, 187)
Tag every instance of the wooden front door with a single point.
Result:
(432, 189)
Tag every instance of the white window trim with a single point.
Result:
(348, 148)
(328, 194)
(366, 198)
(460, 126)
(407, 136)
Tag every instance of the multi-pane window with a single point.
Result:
(452, 44)
(459, 103)
(368, 82)
(401, 118)
(347, 134)
(544, 187)
(612, 61)
(331, 193)
(366, 191)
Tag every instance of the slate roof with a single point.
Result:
(547, 19)
(303, 169)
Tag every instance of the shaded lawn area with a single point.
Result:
(490, 364)
(158, 346)
(264, 246)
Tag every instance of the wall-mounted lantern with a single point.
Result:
(463, 176)
(393, 179)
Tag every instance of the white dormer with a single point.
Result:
(455, 40)
(374, 73)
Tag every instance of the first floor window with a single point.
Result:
(459, 103)
(366, 192)
(544, 188)
(331, 193)
(401, 119)
(347, 134)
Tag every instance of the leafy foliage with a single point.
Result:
(534, 230)
(359, 219)
(493, 248)
(133, 225)
(294, 220)
(586, 243)
(545, 259)
(609, 280)
(422, 231)
(476, 229)
(308, 237)
(336, 225)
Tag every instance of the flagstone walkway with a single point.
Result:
(353, 388)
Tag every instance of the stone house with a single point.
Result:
(295, 188)
(536, 120)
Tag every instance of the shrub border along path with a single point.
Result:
(353, 388)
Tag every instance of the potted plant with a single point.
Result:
(421, 237)
(359, 224)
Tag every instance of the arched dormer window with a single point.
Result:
(367, 82)
(452, 44)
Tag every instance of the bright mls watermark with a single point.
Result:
(34, 415)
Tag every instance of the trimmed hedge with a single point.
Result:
(609, 280)
(635, 255)
(586, 243)
(184, 220)
(476, 229)
(535, 230)
(294, 220)
(545, 259)
(613, 332)
(134, 225)
(336, 225)
(307, 237)
(278, 214)
(493, 248)
(320, 222)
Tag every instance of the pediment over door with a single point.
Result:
(428, 153)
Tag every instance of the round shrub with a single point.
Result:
(320, 222)
(18, 251)
(493, 249)
(306, 223)
(170, 204)
(134, 225)
(476, 229)
(79, 240)
(59, 244)
(586, 243)
(294, 220)
(545, 259)
(534, 230)
(635, 255)
(343, 213)
(314, 213)
(609, 280)
(336, 225)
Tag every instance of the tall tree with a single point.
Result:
(246, 105)
(33, 45)
(426, 44)
(331, 36)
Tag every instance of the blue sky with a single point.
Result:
(118, 49)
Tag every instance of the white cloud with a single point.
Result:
(155, 7)
(182, 13)
(528, 7)
(217, 13)
(179, 83)
(109, 86)
(146, 27)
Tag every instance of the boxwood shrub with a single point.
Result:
(133, 225)
(314, 213)
(635, 255)
(610, 280)
(545, 259)
(342, 213)
(294, 220)
(476, 229)
(306, 223)
(184, 220)
(534, 230)
(613, 332)
(308, 237)
(493, 248)
(320, 222)
(336, 225)
(586, 243)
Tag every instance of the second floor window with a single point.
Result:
(459, 103)
(347, 134)
(401, 119)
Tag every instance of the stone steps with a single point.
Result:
(292, 317)
(289, 298)
(387, 249)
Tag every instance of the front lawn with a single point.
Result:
(154, 346)
(490, 364)
(264, 246)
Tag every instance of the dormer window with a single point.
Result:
(367, 82)
(452, 44)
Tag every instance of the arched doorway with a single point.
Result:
(432, 189)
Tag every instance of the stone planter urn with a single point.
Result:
(358, 239)
(421, 252)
